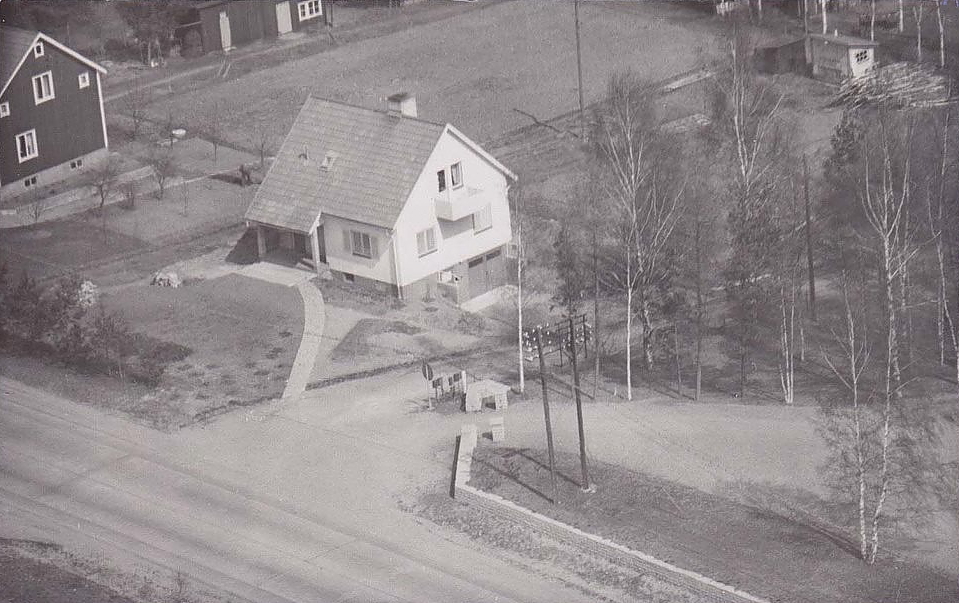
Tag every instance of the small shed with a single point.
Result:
(785, 55)
(835, 58)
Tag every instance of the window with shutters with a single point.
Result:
(426, 241)
(359, 244)
(483, 219)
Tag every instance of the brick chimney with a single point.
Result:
(401, 104)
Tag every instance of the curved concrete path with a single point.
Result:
(314, 320)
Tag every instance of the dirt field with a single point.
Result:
(472, 70)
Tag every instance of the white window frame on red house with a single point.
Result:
(5, 109)
(27, 147)
(83, 80)
(309, 9)
(426, 241)
(46, 92)
(38, 50)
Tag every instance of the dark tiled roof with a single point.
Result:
(378, 158)
(14, 43)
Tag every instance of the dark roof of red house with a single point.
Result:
(16, 42)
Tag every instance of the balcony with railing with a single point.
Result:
(456, 204)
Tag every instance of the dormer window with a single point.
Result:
(328, 160)
(84, 79)
(38, 50)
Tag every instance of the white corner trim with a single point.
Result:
(103, 119)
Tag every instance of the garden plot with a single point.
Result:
(243, 334)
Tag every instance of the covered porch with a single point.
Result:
(304, 250)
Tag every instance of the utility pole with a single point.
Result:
(549, 425)
(519, 288)
(579, 402)
(579, 74)
(809, 260)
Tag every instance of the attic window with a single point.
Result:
(329, 160)
(38, 50)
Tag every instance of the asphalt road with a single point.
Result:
(136, 494)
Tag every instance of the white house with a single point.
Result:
(386, 200)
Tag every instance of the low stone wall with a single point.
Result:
(709, 589)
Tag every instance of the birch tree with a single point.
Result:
(748, 121)
(632, 159)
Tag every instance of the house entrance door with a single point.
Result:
(284, 23)
(226, 38)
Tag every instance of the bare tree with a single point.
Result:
(164, 166)
(103, 178)
(633, 161)
(36, 207)
(134, 104)
(262, 139)
(918, 12)
(748, 121)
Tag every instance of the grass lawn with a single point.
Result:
(244, 335)
(765, 554)
(54, 247)
(25, 579)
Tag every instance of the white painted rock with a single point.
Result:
(166, 279)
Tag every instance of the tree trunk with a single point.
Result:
(872, 21)
(825, 24)
(902, 17)
(700, 303)
(942, 36)
(648, 333)
(595, 314)
(629, 329)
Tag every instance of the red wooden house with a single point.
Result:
(51, 111)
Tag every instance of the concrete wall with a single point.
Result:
(642, 563)
(455, 241)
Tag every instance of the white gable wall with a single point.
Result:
(455, 241)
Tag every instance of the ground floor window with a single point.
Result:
(310, 9)
(359, 243)
(27, 145)
(426, 241)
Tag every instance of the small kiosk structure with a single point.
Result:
(835, 58)
(486, 392)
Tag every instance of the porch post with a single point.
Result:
(260, 242)
(315, 246)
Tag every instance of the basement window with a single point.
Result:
(31, 181)
(76, 164)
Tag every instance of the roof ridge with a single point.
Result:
(310, 97)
